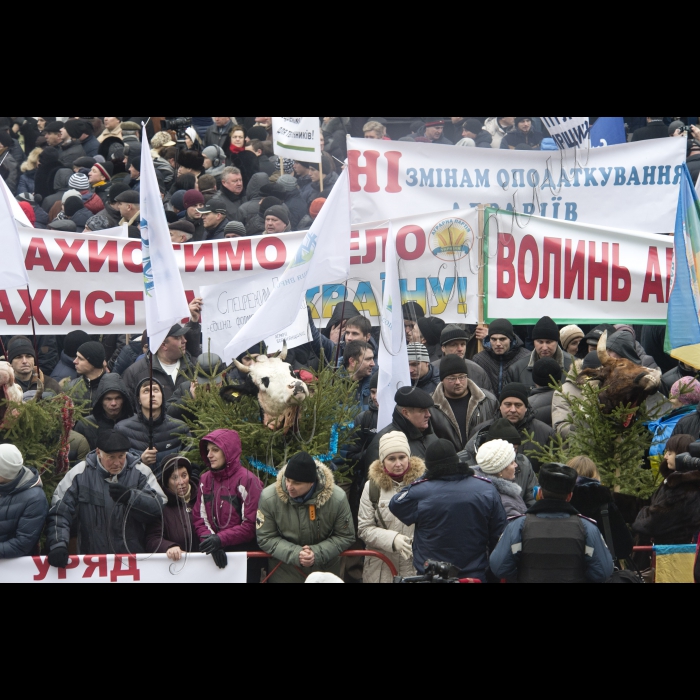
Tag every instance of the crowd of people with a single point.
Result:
(454, 478)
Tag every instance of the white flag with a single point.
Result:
(166, 303)
(13, 270)
(394, 371)
(322, 258)
(17, 211)
(569, 132)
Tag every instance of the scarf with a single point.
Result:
(237, 149)
(398, 478)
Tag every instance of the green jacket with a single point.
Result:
(285, 528)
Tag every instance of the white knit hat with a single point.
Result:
(495, 456)
(393, 443)
(11, 462)
(323, 578)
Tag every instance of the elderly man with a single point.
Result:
(232, 191)
(277, 220)
(129, 205)
(181, 232)
(109, 499)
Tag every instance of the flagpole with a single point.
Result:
(150, 418)
(482, 291)
(342, 317)
(31, 313)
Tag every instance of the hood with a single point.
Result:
(109, 383)
(60, 181)
(503, 486)
(624, 345)
(257, 182)
(344, 311)
(377, 475)
(229, 442)
(28, 478)
(326, 485)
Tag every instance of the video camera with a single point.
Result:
(435, 572)
(179, 125)
(690, 461)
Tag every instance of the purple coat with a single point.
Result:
(176, 529)
(227, 500)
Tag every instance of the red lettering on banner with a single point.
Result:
(622, 275)
(280, 253)
(653, 280)
(528, 245)
(575, 270)
(70, 256)
(119, 572)
(233, 259)
(552, 248)
(369, 171)
(420, 242)
(35, 304)
(128, 257)
(371, 237)
(598, 271)
(505, 266)
(91, 313)
(129, 299)
(61, 311)
(669, 271)
(43, 566)
(392, 184)
(355, 246)
(110, 254)
(73, 563)
(38, 255)
(204, 252)
(95, 564)
(6, 313)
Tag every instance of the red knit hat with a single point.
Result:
(29, 211)
(107, 177)
(316, 206)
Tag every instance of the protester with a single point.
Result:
(570, 338)
(304, 521)
(28, 376)
(358, 361)
(90, 366)
(423, 374)
(454, 341)
(524, 137)
(379, 529)
(545, 373)
(23, 506)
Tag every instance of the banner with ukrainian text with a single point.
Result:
(569, 132)
(298, 138)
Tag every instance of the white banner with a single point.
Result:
(298, 138)
(574, 273)
(141, 568)
(96, 283)
(569, 132)
(631, 186)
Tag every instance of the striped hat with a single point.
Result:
(418, 353)
(79, 181)
(103, 171)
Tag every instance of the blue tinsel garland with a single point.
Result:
(329, 457)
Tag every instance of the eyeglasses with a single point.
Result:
(457, 379)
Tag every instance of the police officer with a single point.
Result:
(553, 543)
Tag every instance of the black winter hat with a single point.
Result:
(73, 341)
(503, 429)
(473, 125)
(191, 160)
(431, 329)
(111, 442)
(94, 353)
(515, 391)
(441, 457)
(75, 128)
(73, 205)
(54, 127)
(545, 370)
(546, 329)
(412, 311)
(452, 364)
(592, 361)
(302, 468)
(452, 333)
(593, 338)
(412, 397)
(502, 326)
(20, 347)
(374, 382)
(558, 479)
(258, 133)
(116, 189)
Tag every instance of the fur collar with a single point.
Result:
(386, 483)
(476, 396)
(684, 480)
(326, 485)
(507, 488)
(559, 358)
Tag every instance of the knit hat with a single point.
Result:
(569, 334)
(99, 222)
(75, 128)
(441, 457)
(546, 329)
(268, 202)
(316, 206)
(495, 456)
(412, 397)
(473, 125)
(279, 212)
(502, 326)
(29, 212)
(235, 227)
(515, 391)
(686, 391)
(431, 329)
(545, 370)
(177, 201)
(418, 353)
(453, 333)
(412, 311)
(11, 462)
(70, 193)
(451, 365)
(503, 429)
(73, 341)
(110, 442)
(192, 198)
(73, 205)
(214, 153)
(302, 468)
(374, 381)
(288, 182)
(393, 443)
(104, 170)
(20, 347)
(94, 353)
(558, 479)
(593, 338)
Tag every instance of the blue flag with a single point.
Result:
(608, 131)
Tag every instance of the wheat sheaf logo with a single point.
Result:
(306, 251)
(451, 240)
(148, 281)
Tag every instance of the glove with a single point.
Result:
(58, 558)
(404, 547)
(220, 558)
(119, 493)
(210, 545)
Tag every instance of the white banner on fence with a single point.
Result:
(96, 283)
(569, 132)
(631, 186)
(142, 568)
(574, 273)
(298, 138)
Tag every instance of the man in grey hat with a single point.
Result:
(277, 220)
(181, 231)
(235, 229)
(454, 341)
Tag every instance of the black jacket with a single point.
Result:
(70, 152)
(521, 371)
(654, 130)
(690, 425)
(23, 511)
(693, 163)
(298, 209)
(541, 404)
(497, 366)
(219, 233)
(82, 389)
(233, 203)
(675, 375)
(418, 441)
(516, 138)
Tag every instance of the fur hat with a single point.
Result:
(191, 160)
(393, 443)
(495, 456)
(558, 479)
(441, 460)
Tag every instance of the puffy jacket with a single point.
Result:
(497, 366)
(285, 528)
(27, 182)
(521, 371)
(482, 407)
(378, 528)
(511, 494)
(459, 519)
(227, 499)
(23, 511)
(70, 152)
(419, 441)
(541, 404)
(90, 427)
(65, 369)
(497, 132)
(82, 503)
